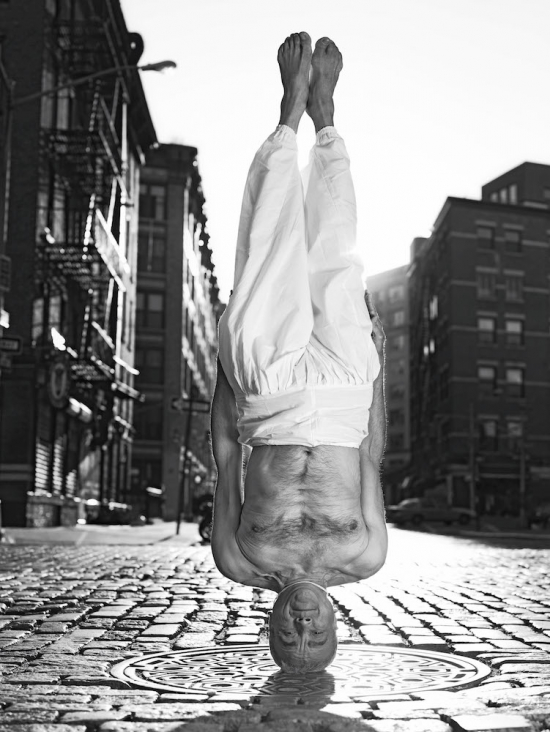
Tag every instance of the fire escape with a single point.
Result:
(84, 168)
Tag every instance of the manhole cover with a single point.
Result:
(356, 671)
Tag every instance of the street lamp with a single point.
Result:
(158, 66)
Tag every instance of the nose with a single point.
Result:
(303, 620)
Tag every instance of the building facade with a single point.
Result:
(67, 401)
(390, 292)
(5, 261)
(176, 336)
(480, 347)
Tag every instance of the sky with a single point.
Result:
(436, 98)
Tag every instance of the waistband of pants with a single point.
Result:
(341, 396)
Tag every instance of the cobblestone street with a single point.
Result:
(69, 614)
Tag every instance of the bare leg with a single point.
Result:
(294, 59)
(326, 64)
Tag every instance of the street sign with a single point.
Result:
(178, 404)
(11, 345)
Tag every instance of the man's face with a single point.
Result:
(302, 629)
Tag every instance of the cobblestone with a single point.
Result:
(67, 614)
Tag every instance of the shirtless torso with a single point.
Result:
(302, 515)
(298, 511)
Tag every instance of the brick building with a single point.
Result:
(176, 335)
(390, 292)
(66, 415)
(480, 346)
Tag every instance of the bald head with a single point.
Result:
(302, 629)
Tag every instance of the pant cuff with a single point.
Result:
(326, 134)
(285, 133)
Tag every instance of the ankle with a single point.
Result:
(322, 115)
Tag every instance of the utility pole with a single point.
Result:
(181, 495)
(193, 404)
(522, 483)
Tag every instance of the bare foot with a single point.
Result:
(326, 64)
(294, 59)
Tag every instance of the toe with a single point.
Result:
(305, 38)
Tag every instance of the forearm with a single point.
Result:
(374, 443)
(372, 497)
(226, 449)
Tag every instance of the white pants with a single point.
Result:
(297, 318)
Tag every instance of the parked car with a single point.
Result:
(418, 510)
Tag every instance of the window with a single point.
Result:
(494, 197)
(513, 193)
(396, 442)
(486, 329)
(148, 422)
(152, 202)
(515, 381)
(514, 287)
(503, 195)
(487, 377)
(488, 434)
(486, 285)
(514, 332)
(486, 237)
(148, 471)
(434, 307)
(396, 368)
(398, 318)
(397, 343)
(150, 363)
(512, 241)
(397, 417)
(397, 292)
(150, 310)
(514, 433)
(37, 320)
(397, 391)
(546, 194)
(54, 312)
(152, 251)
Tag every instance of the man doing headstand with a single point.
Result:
(300, 385)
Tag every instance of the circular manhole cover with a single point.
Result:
(356, 671)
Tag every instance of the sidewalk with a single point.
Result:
(95, 534)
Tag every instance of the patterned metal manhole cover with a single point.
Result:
(250, 670)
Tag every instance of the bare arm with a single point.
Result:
(228, 497)
(371, 453)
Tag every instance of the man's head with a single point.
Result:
(302, 628)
